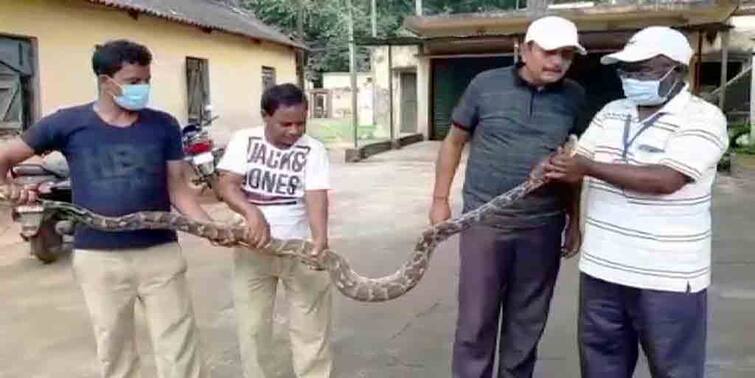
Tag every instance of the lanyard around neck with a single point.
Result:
(644, 126)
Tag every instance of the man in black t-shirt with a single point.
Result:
(512, 118)
(124, 158)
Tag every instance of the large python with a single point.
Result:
(348, 282)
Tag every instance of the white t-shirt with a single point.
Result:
(275, 180)
(659, 242)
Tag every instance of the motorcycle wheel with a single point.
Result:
(47, 244)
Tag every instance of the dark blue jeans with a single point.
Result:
(511, 274)
(615, 319)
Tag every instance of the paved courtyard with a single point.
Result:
(378, 208)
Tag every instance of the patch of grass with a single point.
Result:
(736, 131)
(338, 131)
(744, 150)
(746, 161)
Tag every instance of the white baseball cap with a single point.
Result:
(651, 42)
(552, 33)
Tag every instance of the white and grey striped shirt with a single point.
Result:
(659, 242)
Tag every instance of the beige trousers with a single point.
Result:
(308, 293)
(113, 281)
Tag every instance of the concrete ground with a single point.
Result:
(378, 208)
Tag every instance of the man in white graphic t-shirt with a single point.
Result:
(277, 178)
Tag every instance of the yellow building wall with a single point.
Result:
(66, 31)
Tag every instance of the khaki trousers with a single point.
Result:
(113, 281)
(308, 293)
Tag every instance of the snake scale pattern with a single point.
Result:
(348, 282)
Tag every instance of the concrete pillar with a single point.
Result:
(423, 95)
(724, 68)
(752, 99)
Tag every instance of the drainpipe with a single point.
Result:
(724, 68)
(353, 71)
(752, 98)
(390, 94)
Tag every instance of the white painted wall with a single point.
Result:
(404, 58)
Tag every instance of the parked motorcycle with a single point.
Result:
(48, 236)
(201, 153)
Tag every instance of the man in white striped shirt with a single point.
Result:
(649, 162)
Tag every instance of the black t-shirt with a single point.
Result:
(513, 127)
(114, 170)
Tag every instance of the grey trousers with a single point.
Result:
(511, 274)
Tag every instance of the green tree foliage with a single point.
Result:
(326, 29)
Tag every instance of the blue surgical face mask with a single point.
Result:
(646, 92)
(133, 96)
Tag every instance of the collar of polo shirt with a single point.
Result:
(677, 103)
(519, 80)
